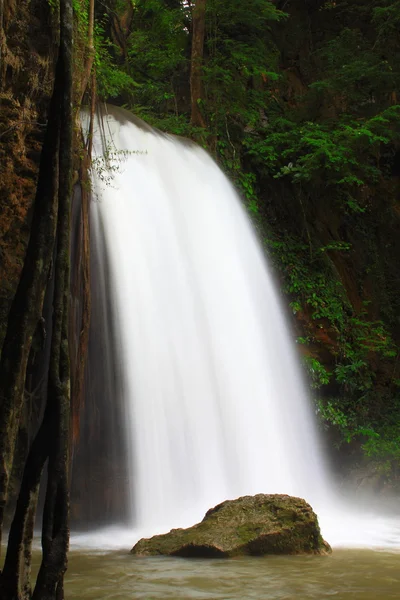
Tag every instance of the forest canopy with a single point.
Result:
(299, 104)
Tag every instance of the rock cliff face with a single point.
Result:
(363, 280)
(251, 525)
(27, 62)
(26, 78)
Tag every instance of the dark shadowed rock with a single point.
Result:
(251, 525)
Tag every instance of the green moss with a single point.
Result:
(251, 525)
(247, 533)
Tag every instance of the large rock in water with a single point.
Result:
(251, 525)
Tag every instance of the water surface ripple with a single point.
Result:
(347, 574)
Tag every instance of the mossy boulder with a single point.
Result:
(251, 525)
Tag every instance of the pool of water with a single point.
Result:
(345, 575)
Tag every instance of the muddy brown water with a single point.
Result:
(347, 574)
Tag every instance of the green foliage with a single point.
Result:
(352, 404)
(309, 281)
(330, 413)
(355, 71)
(246, 183)
(384, 444)
(158, 54)
(240, 57)
(110, 163)
(111, 80)
(54, 4)
(344, 155)
(302, 113)
(318, 374)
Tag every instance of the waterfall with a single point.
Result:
(214, 406)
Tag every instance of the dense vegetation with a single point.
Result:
(299, 105)
(298, 102)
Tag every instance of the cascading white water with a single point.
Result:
(215, 403)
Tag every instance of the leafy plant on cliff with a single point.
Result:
(302, 111)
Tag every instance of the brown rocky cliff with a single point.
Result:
(27, 57)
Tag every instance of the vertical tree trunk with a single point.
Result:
(55, 529)
(198, 23)
(26, 308)
(82, 276)
(90, 52)
(16, 576)
(52, 205)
